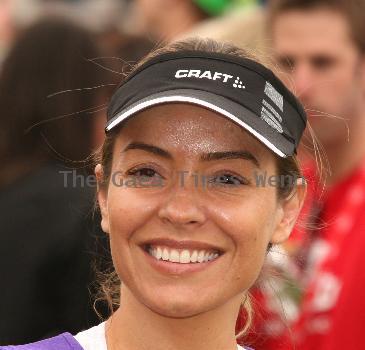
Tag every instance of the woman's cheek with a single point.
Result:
(250, 227)
(128, 211)
(251, 254)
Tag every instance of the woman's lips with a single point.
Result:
(176, 268)
(186, 244)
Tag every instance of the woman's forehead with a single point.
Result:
(188, 127)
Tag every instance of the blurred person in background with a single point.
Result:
(104, 18)
(46, 230)
(320, 46)
(96, 15)
(166, 20)
(243, 26)
(6, 28)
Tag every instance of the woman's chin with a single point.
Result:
(176, 309)
(178, 305)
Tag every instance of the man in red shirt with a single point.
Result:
(320, 46)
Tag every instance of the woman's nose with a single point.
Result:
(182, 205)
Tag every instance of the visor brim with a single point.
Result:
(239, 114)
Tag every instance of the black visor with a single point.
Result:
(240, 89)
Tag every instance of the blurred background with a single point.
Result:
(61, 60)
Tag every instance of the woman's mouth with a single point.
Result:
(176, 258)
(181, 256)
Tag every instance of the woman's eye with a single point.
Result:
(143, 177)
(229, 179)
(143, 172)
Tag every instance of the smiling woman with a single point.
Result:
(190, 242)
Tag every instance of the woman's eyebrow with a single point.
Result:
(148, 148)
(231, 155)
(205, 157)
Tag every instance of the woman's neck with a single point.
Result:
(136, 327)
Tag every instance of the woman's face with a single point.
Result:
(183, 188)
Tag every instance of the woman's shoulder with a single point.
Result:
(63, 341)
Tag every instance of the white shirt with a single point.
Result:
(94, 338)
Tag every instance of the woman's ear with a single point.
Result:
(288, 212)
(102, 195)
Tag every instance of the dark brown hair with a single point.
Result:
(288, 167)
(352, 10)
(49, 57)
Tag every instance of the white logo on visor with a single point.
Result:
(238, 84)
(207, 74)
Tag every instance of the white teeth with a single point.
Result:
(201, 256)
(165, 254)
(194, 256)
(213, 256)
(183, 257)
(174, 256)
(207, 257)
(158, 253)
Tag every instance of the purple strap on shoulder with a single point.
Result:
(64, 341)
